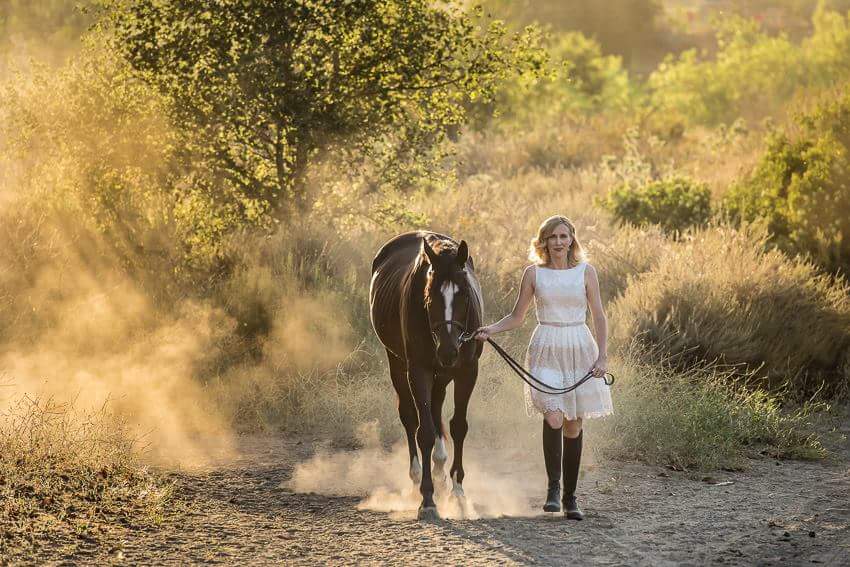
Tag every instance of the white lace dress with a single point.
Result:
(562, 349)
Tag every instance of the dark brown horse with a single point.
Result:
(424, 295)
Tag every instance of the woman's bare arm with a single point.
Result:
(600, 322)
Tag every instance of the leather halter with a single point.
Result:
(449, 322)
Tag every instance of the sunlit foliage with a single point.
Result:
(265, 87)
(675, 203)
(752, 72)
(801, 188)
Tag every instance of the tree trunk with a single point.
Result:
(291, 157)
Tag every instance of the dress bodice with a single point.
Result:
(559, 295)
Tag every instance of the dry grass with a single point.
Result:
(720, 295)
(68, 480)
(571, 143)
(701, 417)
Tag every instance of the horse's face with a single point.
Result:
(448, 301)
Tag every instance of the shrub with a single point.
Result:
(675, 204)
(753, 72)
(718, 295)
(699, 418)
(585, 81)
(749, 70)
(799, 188)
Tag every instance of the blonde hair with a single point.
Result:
(538, 253)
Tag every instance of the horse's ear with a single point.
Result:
(462, 254)
(429, 252)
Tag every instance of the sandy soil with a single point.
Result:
(250, 511)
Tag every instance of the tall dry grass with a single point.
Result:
(72, 477)
(721, 295)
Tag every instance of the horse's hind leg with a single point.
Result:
(438, 396)
(407, 413)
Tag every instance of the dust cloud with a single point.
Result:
(503, 482)
(96, 340)
(93, 311)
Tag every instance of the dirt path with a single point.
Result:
(778, 512)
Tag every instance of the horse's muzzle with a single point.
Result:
(448, 357)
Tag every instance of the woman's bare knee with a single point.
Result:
(555, 419)
(572, 428)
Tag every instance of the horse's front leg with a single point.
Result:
(438, 395)
(464, 384)
(421, 384)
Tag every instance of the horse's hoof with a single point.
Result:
(427, 514)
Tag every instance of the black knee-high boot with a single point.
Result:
(552, 449)
(572, 460)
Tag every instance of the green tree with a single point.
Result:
(753, 73)
(801, 188)
(582, 80)
(263, 87)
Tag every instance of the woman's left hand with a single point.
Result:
(600, 367)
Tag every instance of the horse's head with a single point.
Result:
(449, 300)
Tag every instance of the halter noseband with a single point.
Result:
(449, 322)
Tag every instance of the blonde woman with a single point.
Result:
(562, 350)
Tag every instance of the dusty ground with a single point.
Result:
(248, 511)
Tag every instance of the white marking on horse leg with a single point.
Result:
(440, 453)
(457, 488)
(415, 470)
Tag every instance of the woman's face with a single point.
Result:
(558, 243)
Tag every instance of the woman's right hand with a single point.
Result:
(482, 334)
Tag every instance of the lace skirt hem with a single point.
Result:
(533, 409)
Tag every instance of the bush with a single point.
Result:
(585, 81)
(718, 295)
(675, 204)
(799, 189)
(699, 418)
(753, 72)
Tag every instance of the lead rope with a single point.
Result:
(528, 377)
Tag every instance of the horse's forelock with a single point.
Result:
(446, 252)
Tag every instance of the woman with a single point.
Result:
(562, 350)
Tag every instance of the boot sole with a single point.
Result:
(551, 508)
